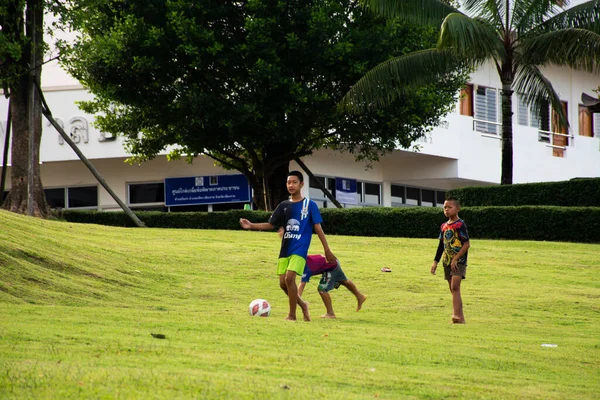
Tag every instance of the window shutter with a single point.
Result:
(522, 112)
(486, 109)
(596, 128)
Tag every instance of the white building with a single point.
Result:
(465, 151)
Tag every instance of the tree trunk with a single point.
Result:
(507, 134)
(16, 200)
(276, 189)
(278, 185)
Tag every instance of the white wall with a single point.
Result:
(480, 156)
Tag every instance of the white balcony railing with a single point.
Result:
(548, 137)
(483, 127)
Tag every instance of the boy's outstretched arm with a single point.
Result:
(260, 226)
(328, 254)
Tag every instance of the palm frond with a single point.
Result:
(489, 10)
(383, 84)
(470, 38)
(528, 14)
(426, 12)
(582, 16)
(576, 48)
(537, 91)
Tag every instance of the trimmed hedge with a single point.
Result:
(565, 224)
(580, 192)
(551, 223)
(157, 219)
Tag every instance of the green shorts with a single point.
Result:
(292, 263)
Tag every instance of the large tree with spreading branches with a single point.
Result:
(252, 84)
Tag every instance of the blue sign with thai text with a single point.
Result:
(210, 189)
(345, 190)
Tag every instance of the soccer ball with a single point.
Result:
(259, 308)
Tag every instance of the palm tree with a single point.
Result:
(517, 36)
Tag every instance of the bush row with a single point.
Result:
(157, 219)
(574, 193)
(568, 224)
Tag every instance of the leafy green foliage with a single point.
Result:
(573, 193)
(156, 219)
(548, 223)
(12, 41)
(512, 223)
(252, 84)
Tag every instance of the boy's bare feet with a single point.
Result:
(360, 302)
(332, 316)
(289, 318)
(456, 320)
(304, 307)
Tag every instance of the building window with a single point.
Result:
(412, 196)
(82, 197)
(147, 193)
(526, 116)
(372, 193)
(440, 197)
(486, 110)
(523, 114)
(316, 193)
(72, 197)
(427, 198)
(331, 185)
(359, 193)
(398, 195)
(367, 193)
(315, 190)
(55, 197)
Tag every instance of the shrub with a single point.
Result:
(573, 193)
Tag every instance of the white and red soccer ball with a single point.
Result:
(259, 308)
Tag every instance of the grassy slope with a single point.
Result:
(78, 304)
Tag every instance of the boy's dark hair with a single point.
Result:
(297, 174)
(454, 199)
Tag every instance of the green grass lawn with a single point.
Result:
(78, 304)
